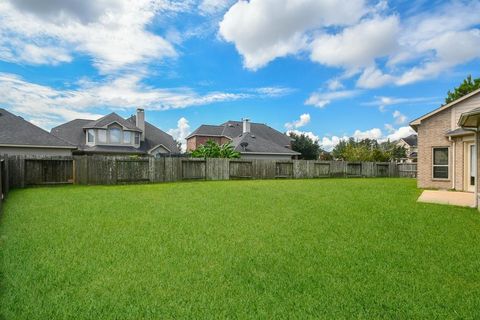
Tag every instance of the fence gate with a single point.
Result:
(48, 171)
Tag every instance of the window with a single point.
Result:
(102, 136)
(440, 163)
(127, 137)
(90, 136)
(115, 135)
(137, 138)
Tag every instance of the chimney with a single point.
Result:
(140, 123)
(246, 125)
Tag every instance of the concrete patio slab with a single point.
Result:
(455, 198)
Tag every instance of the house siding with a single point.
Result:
(36, 152)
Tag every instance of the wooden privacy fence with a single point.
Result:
(3, 181)
(117, 170)
(27, 171)
(114, 170)
(407, 170)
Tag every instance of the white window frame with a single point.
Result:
(100, 141)
(92, 132)
(441, 165)
(110, 135)
(125, 133)
(137, 138)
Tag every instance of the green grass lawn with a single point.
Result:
(334, 248)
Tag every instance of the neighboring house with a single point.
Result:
(410, 145)
(447, 156)
(113, 134)
(20, 137)
(252, 140)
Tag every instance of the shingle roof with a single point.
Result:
(14, 130)
(267, 139)
(208, 130)
(154, 137)
(110, 118)
(235, 128)
(411, 140)
(73, 132)
(458, 132)
(255, 144)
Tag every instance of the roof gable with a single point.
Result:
(415, 123)
(104, 121)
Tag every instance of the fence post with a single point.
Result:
(151, 169)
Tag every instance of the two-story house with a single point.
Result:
(411, 148)
(113, 134)
(252, 140)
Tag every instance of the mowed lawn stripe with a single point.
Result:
(332, 248)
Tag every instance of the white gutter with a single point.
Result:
(36, 146)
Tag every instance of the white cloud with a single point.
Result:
(372, 77)
(374, 133)
(328, 143)
(263, 30)
(399, 117)
(383, 101)
(303, 121)
(321, 99)
(113, 33)
(309, 134)
(399, 133)
(53, 106)
(273, 91)
(359, 45)
(361, 38)
(334, 85)
(208, 7)
(181, 132)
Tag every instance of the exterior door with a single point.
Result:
(472, 167)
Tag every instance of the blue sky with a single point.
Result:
(328, 68)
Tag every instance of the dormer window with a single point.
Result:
(115, 135)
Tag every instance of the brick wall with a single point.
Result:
(431, 133)
(195, 141)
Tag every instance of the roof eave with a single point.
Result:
(36, 146)
(415, 123)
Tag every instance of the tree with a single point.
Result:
(394, 151)
(179, 145)
(308, 148)
(211, 149)
(468, 85)
(368, 150)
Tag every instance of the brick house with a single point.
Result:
(252, 140)
(447, 140)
